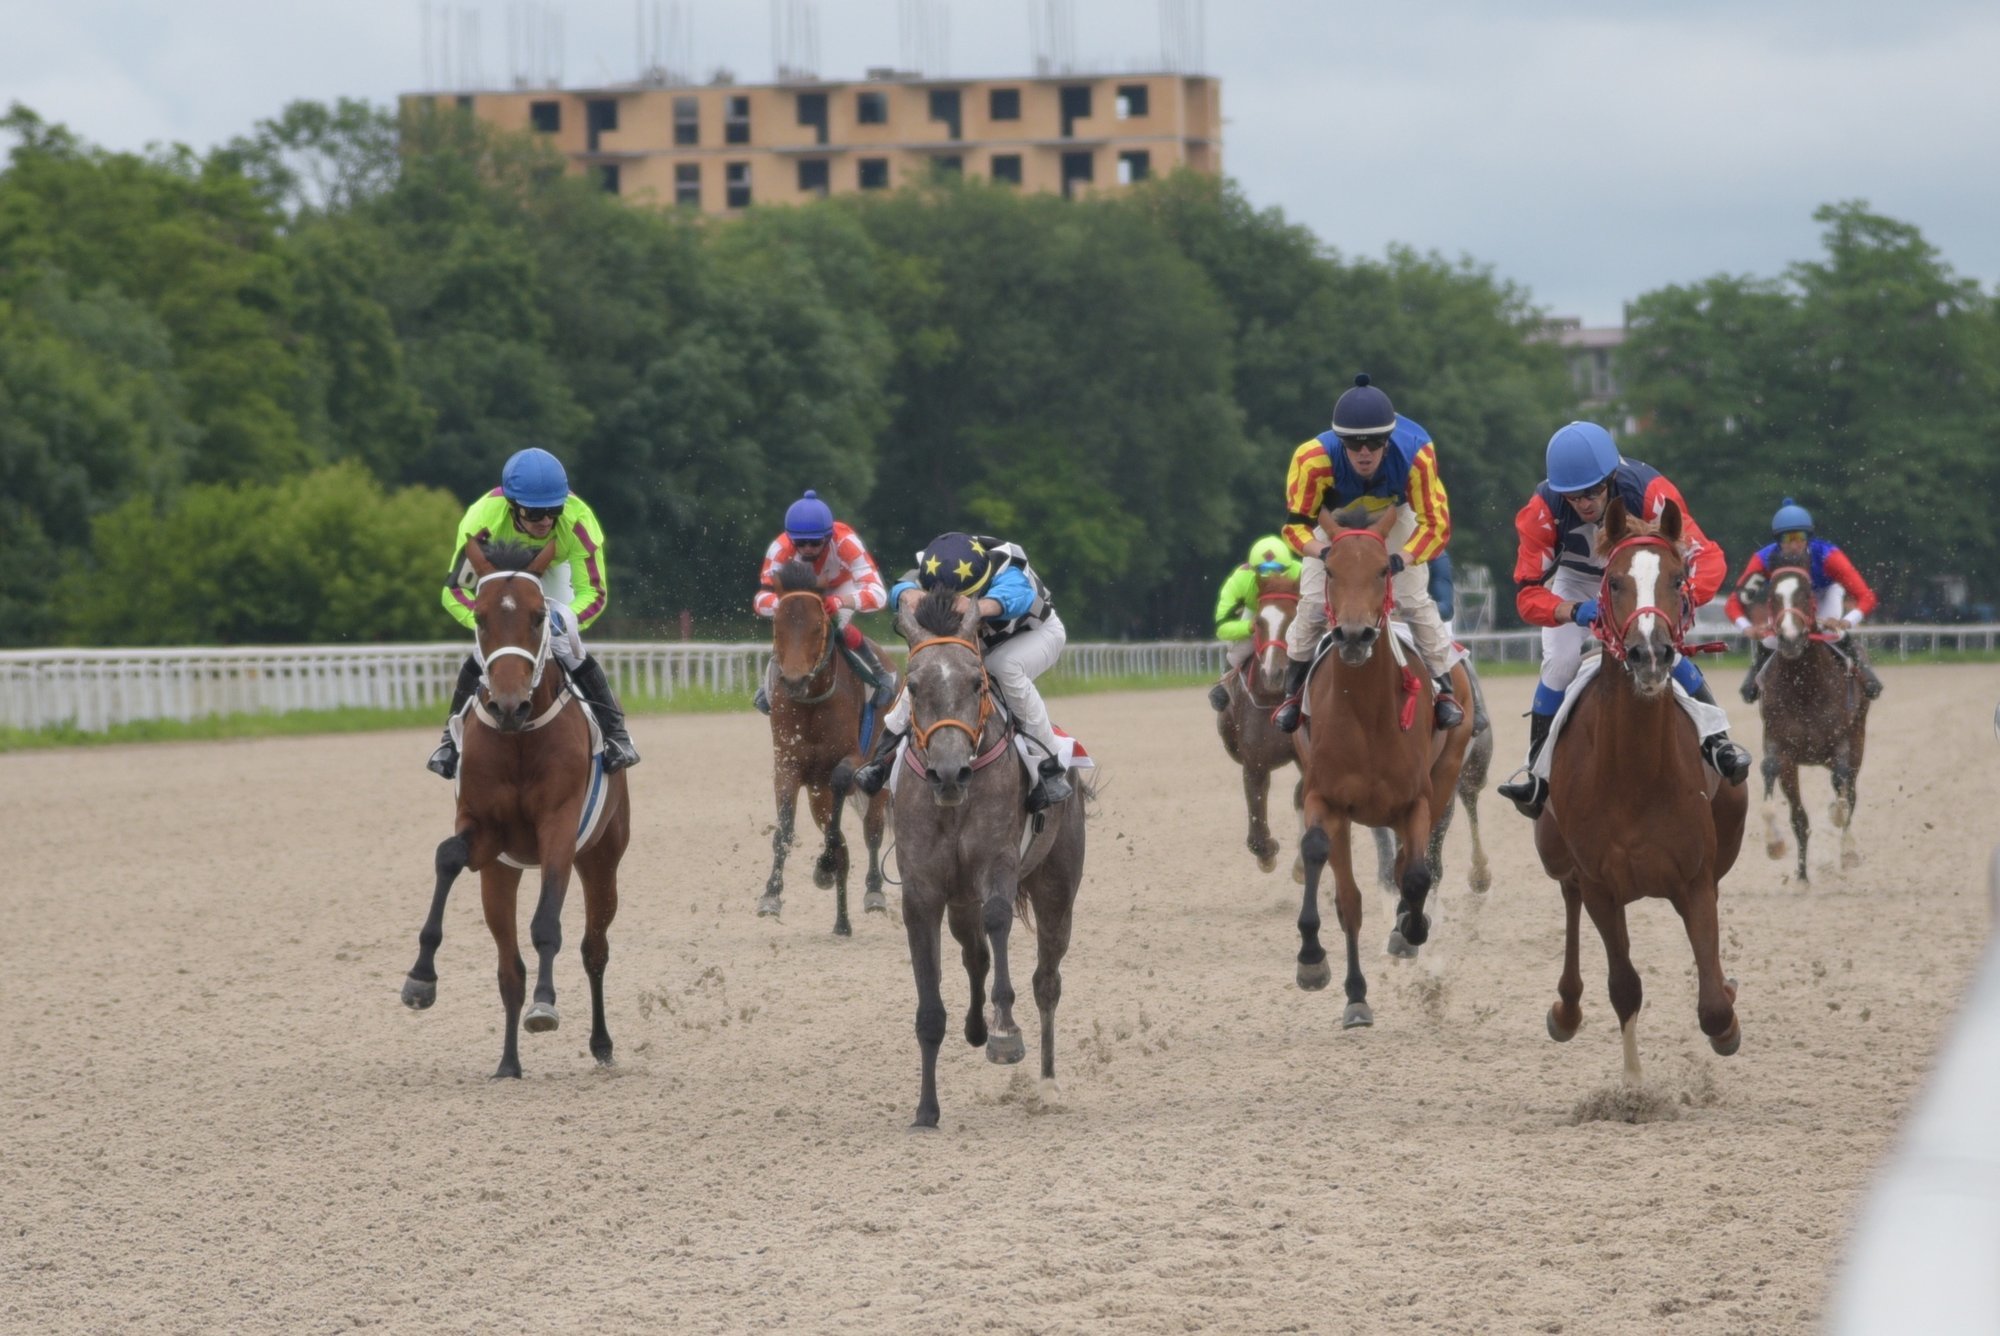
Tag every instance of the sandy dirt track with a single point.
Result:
(219, 1118)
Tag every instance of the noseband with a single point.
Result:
(823, 656)
(539, 659)
(1610, 628)
(920, 736)
(1258, 644)
(1413, 684)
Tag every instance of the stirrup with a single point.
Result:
(1218, 697)
(444, 761)
(1528, 791)
(1286, 716)
(762, 700)
(1051, 788)
(619, 754)
(1446, 712)
(885, 691)
(1727, 757)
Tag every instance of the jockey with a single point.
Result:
(1379, 458)
(1834, 580)
(532, 503)
(1559, 570)
(1020, 636)
(848, 581)
(1236, 607)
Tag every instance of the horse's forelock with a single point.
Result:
(937, 612)
(796, 575)
(1355, 517)
(510, 556)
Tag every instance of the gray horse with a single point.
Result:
(969, 853)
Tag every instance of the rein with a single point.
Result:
(1413, 684)
(1610, 630)
(920, 737)
(1805, 618)
(1258, 644)
(539, 659)
(825, 655)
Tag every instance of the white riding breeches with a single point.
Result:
(1237, 652)
(1013, 664)
(1563, 646)
(1414, 606)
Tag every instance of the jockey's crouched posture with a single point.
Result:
(1376, 457)
(533, 502)
(1558, 571)
(1020, 636)
(1236, 608)
(848, 581)
(1842, 596)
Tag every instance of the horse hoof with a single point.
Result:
(842, 928)
(1299, 871)
(924, 1123)
(770, 905)
(823, 877)
(604, 1059)
(1775, 850)
(1850, 859)
(1838, 813)
(1267, 862)
(1399, 948)
(1482, 881)
(541, 1018)
(874, 903)
(1556, 1030)
(1356, 1016)
(1316, 976)
(1726, 1044)
(1414, 928)
(507, 1073)
(419, 994)
(1005, 1049)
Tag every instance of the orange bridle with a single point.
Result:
(975, 731)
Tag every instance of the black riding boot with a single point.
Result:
(1051, 788)
(590, 681)
(1218, 695)
(874, 772)
(1286, 717)
(1731, 761)
(1871, 685)
(762, 700)
(1446, 711)
(1527, 790)
(876, 673)
(1759, 656)
(444, 761)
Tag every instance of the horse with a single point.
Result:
(960, 813)
(1371, 755)
(1814, 713)
(1632, 811)
(1471, 779)
(1255, 690)
(817, 709)
(525, 780)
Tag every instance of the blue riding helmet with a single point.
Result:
(954, 561)
(809, 518)
(1363, 411)
(1580, 456)
(534, 478)
(1791, 516)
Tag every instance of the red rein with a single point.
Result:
(1413, 684)
(1610, 632)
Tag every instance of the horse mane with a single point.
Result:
(510, 556)
(937, 612)
(796, 575)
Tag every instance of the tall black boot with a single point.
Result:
(1445, 710)
(444, 761)
(874, 672)
(1731, 761)
(1527, 790)
(1759, 656)
(619, 753)
(874, 772)
(1871, 685)
(1286, 717)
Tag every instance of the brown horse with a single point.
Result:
(526, 779)
(816, 716)
(1371, 755)
(1632, 810)
(1256, 689)
(1814, 711)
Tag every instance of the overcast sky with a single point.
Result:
(1587, 149)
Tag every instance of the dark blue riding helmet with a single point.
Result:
(955, 561)
(1363, 411)
(1791, 517)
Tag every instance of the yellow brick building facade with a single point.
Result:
(721, 147)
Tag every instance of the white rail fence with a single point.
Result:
(93, 689)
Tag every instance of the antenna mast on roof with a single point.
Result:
(795, 40)
(665, 31)
(1052, 36)
(1184, 36)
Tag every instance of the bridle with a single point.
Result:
(1259, 643)
(1610, 629)
(920, 736)
(823, 656)
(1413, 683)
(1808, 625)
(538, 661)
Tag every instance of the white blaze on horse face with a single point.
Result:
(507, 603)
(1782, 594)
(1645, 574)
(1272, 621)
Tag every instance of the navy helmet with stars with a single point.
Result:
(955, 561)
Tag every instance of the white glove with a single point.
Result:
(1743, 623)
(1852, 616)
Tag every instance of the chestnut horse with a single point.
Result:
(1371, 755)
(1814, 714)
(1632, 809)
(818, 703)
(1255, 690)
(524, 777)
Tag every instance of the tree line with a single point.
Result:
(244, 394)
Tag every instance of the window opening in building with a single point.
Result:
(871, 108)
(687, 120)
(600, 114)
(1075, 106)
(1007, 167)
(465, 102)
(1134, 165)
(1004, 104)
(812, 112)
(546, 117)
(949, 164)
(736, 177)
(736, 127)
(687, 184)
(1131, 101)
(944, 107)
(607, 176)
(1077, 169)
(814, 176)
(874, 173)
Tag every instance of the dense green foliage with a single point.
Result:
(242, 395)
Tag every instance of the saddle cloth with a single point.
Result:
(1405, 650)
(1708, 719)
(594, 787)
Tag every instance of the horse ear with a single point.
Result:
(968, 627)
(1670, 522)
(1616, 522)
(1386, 521)
(475, 556)
(543, 558)
(906, 626)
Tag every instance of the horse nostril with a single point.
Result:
(1368, 634)
(964, 776)
(1339, 636)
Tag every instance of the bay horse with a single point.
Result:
(525, 777)
(817, 707)
(1371, 755)
(1814, 713)
(1255, 690)
(960, 814)
(1632, 810)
